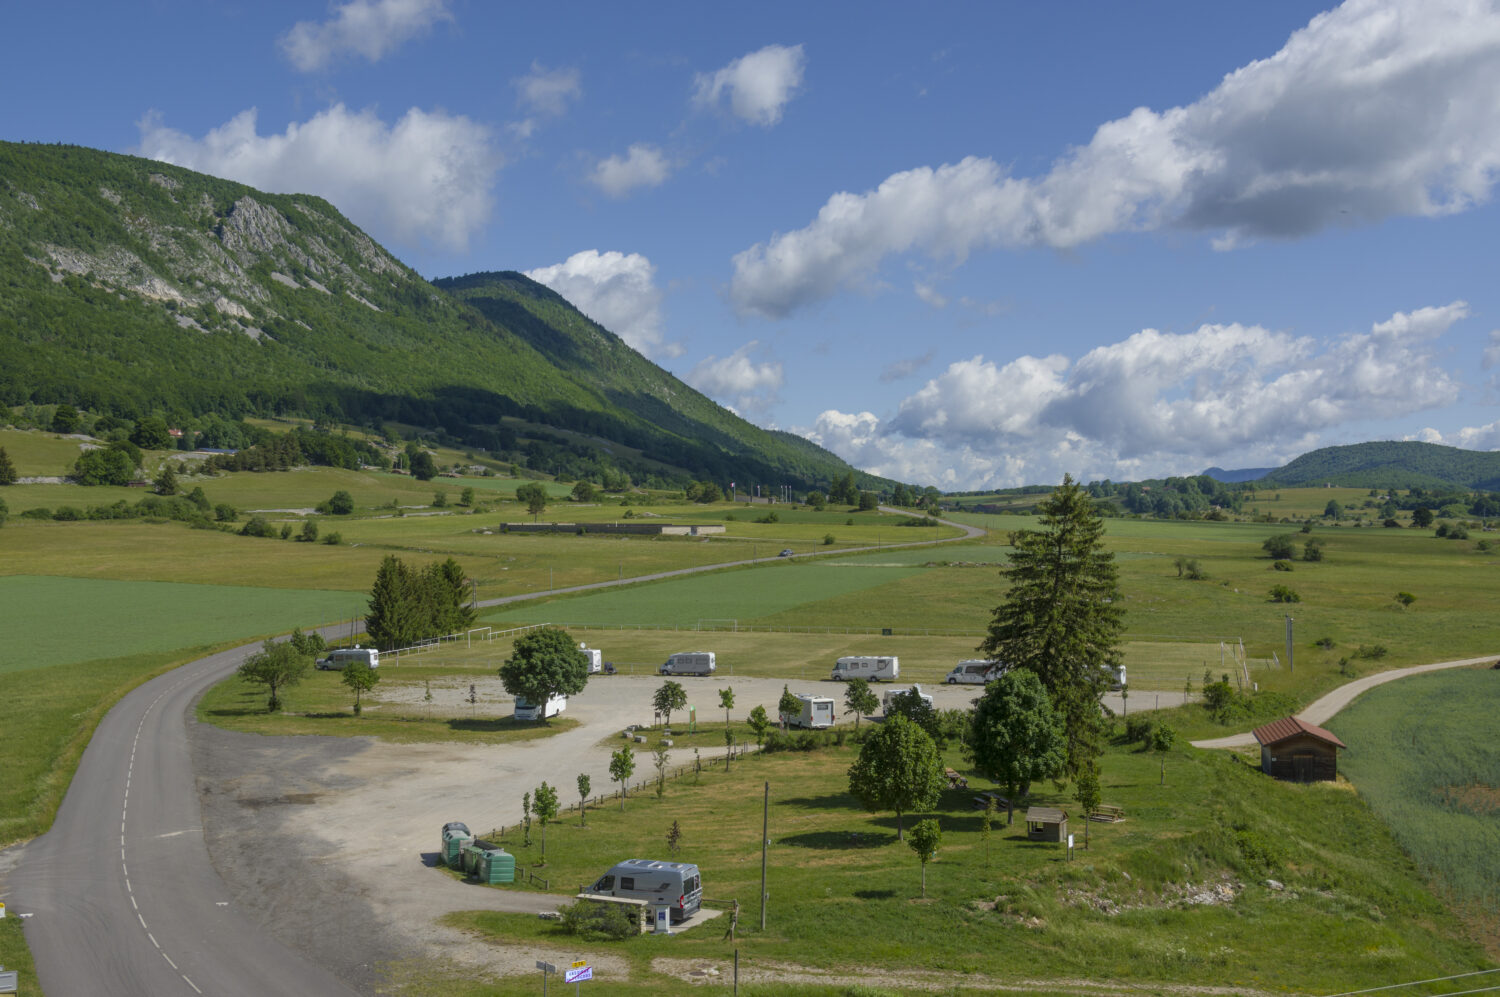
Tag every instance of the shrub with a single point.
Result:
(1282, 565)
(1457, 532)
(40, 512)
(1405, 598)
(769, 517)
(226, 513)
(67, 514)
(1282, 547)
(333, 539)
(309, 532)
(257, 526)
(828, 540)
(1374, 653)
(341, 504)
(286, 531)
(594, 921)
(1312, 550)
(1326, 643)
(1280, 593)
(1138, 728)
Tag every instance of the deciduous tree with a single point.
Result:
(584, 785)
(544, 805)
(859, 700)
(277, 667)
(544, 663)
(359, 676)
(1016, 737)
(7, 469)
(621, 768)
(926, 836)
(671, 696)
(533, 496)
(898, 769)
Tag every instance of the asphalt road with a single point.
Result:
(122, 896)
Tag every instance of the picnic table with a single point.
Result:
(1108, 814)
(955, 781)
(982, 800)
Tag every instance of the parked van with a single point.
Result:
(663, 884)
(689, 663)
(528, 711)
(1117, 678)
(975, 671)
(885, 703)
(816, 713)
(595, 656)
(871, 669)
(336, 660)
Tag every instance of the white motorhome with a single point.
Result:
(975, 671)
(595, 656)
(689, 663)
(529, 711)
(677, 885)
(1117, 678)
(885, 702)
(336, 660)
(816, 713)
(867, 667)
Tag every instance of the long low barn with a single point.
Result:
(636, 529)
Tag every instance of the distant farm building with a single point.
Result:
(635, 529)
(1046, 824)
(1297, 751)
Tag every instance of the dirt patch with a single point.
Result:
(1478, 799)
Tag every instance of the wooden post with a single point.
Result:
(765, 827)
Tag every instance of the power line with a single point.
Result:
(1417, 983)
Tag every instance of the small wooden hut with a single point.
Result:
(1295, 750)
(1046, 824)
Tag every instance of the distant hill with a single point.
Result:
(132, 287)
(1237, 476)
(1391, 464)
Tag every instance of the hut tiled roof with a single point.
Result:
(1279, 730)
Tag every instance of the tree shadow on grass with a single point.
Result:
(832, 801)
(837, 840)
(874, 894)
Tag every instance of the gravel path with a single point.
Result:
(1323, 709)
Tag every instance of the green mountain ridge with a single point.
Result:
(134, 287)
(1391, 464)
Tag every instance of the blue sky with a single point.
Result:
(974, 245)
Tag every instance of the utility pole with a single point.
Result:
(1289, 622)
(765, 829)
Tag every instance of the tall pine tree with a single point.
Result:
(396, 615)
(1061, 617)
(7, 469)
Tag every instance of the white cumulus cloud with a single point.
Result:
(643, 165)
(617, 290)
(548, 91)
(1153, 403)
(427, 176)
(759, 85)
(738, 380)
(371, 28)
(1375, 109)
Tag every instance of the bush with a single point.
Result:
(309, 532)
(828, 540)
(333, 539)
(1374, 653)
(769, 517)
(1312, 550)
(1282, 547)
(226, 513)
(595, 921)
(40, 512)
(257, 526)
(1280, 593)
(1282, 565)
(1405, 598)
(1391, 524)
(1326, 643)
(67, 514)
(1138, 729)
(341, 504)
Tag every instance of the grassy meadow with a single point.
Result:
(1418, 752)
(1353, 912)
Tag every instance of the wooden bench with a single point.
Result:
(955, 781)
(1108, 814)
(983, 799)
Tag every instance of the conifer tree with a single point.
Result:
(7, 469)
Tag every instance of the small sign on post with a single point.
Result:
(580, 972)
(1070, 848)
(545, 967)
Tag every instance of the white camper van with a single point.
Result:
(528, 711)
(336, 660)
(664, 884)
(595, 656)
(885, 702)
(816, 713)
(689, 663)
(1117, 678)
(867, 667)
(975, 671)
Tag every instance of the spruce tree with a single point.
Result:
(396, 617)
(1061, 618)
(7, 469)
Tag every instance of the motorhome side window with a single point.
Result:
(627, 882)
(607, 883)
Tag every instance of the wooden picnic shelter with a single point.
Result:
(1046, 824)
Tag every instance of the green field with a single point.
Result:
(106, 619)
(1353, 913)
(1422, 753)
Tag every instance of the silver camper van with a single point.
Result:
(975, 671)
(816, 713)
(689, 663)
(885, 702)
(663, 884)
(336, 660)
(868, 667)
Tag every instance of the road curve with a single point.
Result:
(121, 894)
(1321, 710)
(123, 897)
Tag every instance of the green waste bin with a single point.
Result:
(495, 865)
(453, 843)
